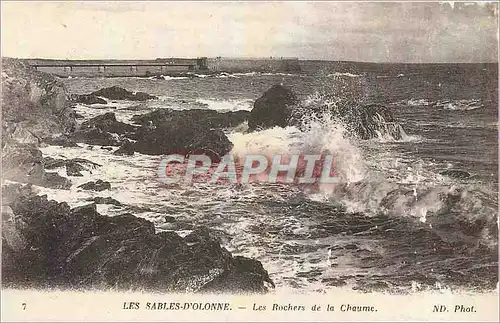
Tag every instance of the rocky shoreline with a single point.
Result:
(46, 243)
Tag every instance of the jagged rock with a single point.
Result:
(107, 123)
(273, 108)
(74, 169)
(280, 107)
(169, 218)
(171, 131)
(24, 163)
(62, 140)
(59, 247)
(118, 93)
(127, 149)
(96, 136)
(53, 180)
(364, 121)
(106, 200)
(98, 186)
(34, 104)
(87, 99)
(23, 134)
(207, 117)
(52, 163)
(103, 130)
(183, 137)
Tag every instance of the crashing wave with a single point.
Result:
(460, 105)
(227, 104)
(336, 74)
(363, 121)
(167, 77)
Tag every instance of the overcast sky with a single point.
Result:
(375, 32)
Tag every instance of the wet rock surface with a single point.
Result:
(107, 122)
(279, 106)
(48, 244)
(205, 116)
(364, 121)
(97, 186)
(184, 137)
(273, 108)
(455, 173)
(24, 163)
(118, 93)
(126, 149)
(34, 104)
(88, 99)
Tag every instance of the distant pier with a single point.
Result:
(162, 66)
(116, 68)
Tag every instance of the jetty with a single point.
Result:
(116, 68)
(163, 66)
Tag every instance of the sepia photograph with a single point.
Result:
(249, 160)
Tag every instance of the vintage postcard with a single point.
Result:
(249, 161)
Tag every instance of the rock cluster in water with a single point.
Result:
(279, 106)
(273, 108)
(48, 244)
(111, 93)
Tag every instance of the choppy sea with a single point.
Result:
(394, 224)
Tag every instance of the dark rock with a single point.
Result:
(273, 108)
(34, 104)
(87, 99)
(364, 121)
(86, 162)
(454, 173)
(97, 186)
(103, 130)
(334, 281)
(127, 149)
(280, 107)
(74, 169)
(52, 163)
(246, 275)
(106, 200)
(351, 246)
(54, 180)
(107, 123)
(50, 245)
(135, 107)
(207, 117)
(187, 131)
(183, 137)
(95, 136)
(62, 140)
(118, 93)
(169, 218)
(24, 163)
(107, 148)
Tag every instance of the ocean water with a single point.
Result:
(394, 224)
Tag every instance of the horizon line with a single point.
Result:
(246, 58)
